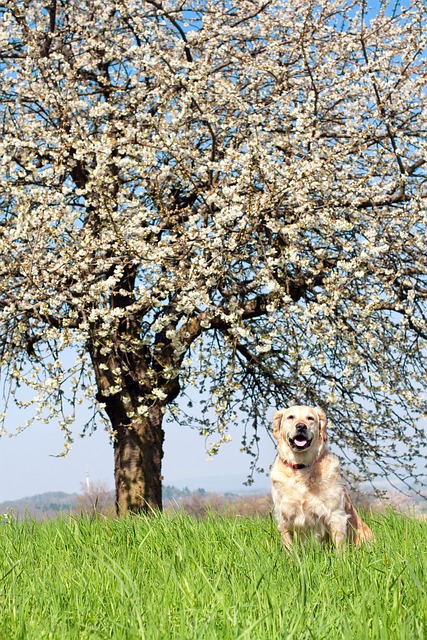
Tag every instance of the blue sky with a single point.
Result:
(28, 465)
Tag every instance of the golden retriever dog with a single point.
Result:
(307, 488)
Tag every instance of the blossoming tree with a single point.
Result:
(217, 195)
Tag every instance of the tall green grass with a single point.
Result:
(218, 578)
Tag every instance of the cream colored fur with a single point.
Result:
(314, 498)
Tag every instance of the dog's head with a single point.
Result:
(300, 432)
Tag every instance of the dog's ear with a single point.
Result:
(277, 419)
(322, 423)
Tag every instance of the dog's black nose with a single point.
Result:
(300, 426)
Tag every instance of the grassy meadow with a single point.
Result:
(173, 576)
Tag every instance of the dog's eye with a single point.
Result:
(289, 417)
(310, 418)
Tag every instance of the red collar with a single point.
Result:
(296, 467)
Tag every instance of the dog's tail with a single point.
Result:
(357, 530)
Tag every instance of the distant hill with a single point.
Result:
(42, 505)
(52, 503)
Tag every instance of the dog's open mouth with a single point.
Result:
(300, 442)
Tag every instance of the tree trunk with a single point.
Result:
(137, 439)
(127, 375)
(138, 453)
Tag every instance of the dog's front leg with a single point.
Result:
(338, 528)
(286, 533)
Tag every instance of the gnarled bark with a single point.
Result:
(138, 453)
(136, 422)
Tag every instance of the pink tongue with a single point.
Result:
(301, 442)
